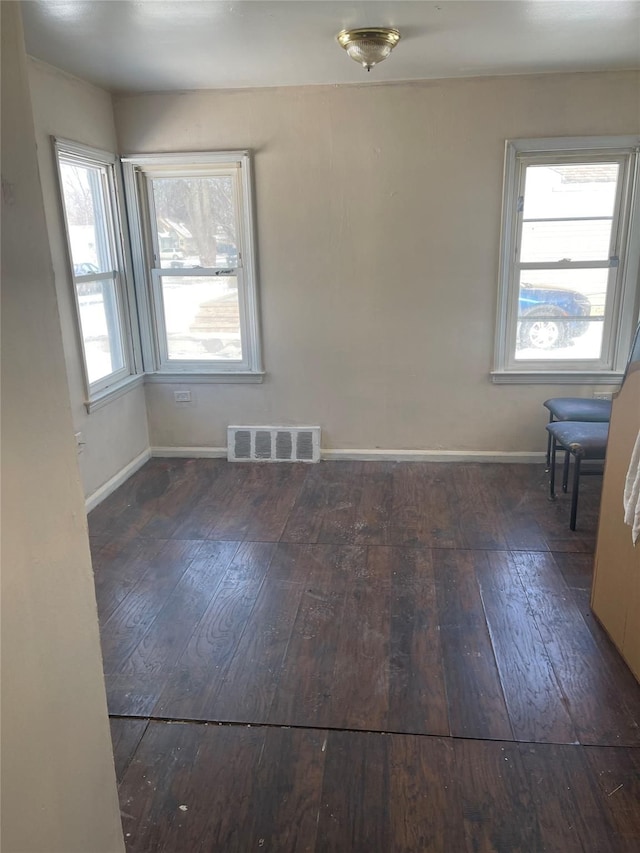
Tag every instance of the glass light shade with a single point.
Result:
(369, 46)
(368, 52)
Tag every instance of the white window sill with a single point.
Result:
(171, 378)
(102, 398)
(555, 377)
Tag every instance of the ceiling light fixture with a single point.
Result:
(370, 45)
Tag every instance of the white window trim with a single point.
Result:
(101, 392)
(611, 369)
(238, 378)
(157, 366)
(103, 398)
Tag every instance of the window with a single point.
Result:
(88, 188)
(194, 252)
(569, 260)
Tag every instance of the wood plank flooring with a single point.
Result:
(361, 656)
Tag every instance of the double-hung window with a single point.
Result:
(568, 300)
(192, 234)
(104, 305)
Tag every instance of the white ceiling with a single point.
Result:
(146, 45)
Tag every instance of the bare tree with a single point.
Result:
(203, 205)
(78, 197)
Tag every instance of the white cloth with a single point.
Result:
(632, 493)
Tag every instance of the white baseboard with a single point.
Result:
(188, 452)
(524, 457)
(117, 480)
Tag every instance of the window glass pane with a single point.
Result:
(100, 328)
(570, 190)
(196, 221)
(561, 314)
(568, 212)
(86, 212)
(202, 318)
(573, 240)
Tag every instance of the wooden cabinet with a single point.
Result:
(615, 596)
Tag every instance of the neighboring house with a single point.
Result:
(175, 239)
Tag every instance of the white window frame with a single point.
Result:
(621, 311)
(138, 170)
(101, 391)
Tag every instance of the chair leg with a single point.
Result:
(548, 461)
(574, 493)
(565, 471)
(552, 470)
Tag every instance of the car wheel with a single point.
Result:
(538, 331)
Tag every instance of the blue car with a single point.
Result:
(550, 316)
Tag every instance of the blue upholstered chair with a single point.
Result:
(580, 427)
(582, 409)
(583, 441)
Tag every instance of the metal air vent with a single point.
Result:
(273, 444)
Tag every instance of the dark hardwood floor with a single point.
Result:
(357, 656)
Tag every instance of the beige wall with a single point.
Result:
(58, 781)
(66, 107)
(378, 229)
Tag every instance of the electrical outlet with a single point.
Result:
(182, 396)
(603, 395)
